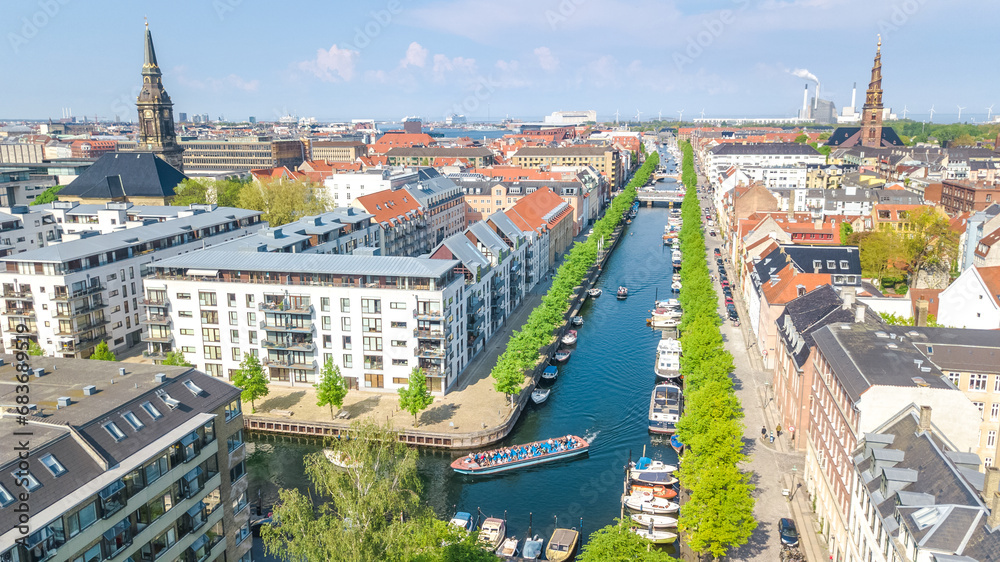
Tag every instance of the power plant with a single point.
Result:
(818, 109)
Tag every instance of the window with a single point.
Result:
(345, 305)
(209, 316)
(210, 335)
(195, 389)
(979, 405)
(188, 349)
(372, 325)
(133, 420)
(232, 300)
(234, 318)
(26, 479)
(977, 382)
(233, 409)
(184, 296)
(213, 352)
(348, 361)
(187, 331)
(954, 378)
(398, 324)
(345, 323)
(372, 343)
(151, 410)
(371, 306)
(207, 299)
(251, 318)
(235, 441)
(326, 323)
(373, 362)
(234, 336)
(324, 304)
(346, 343)
(249, 301)
(237, 354)
(240, 503)
(397, 305)
(5, 497)
(185, 314)
(237, 472)
(402, 362)
(81, 519)
(53, 464)
(114, 431)
(170, 402)
(995, 412)
(996, 383)
(214, 369)
(991, 438)
(398, 343)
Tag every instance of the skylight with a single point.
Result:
(195, 389)
(27, 480)
(151, 410)
(114, 430)
(53, 464)
(170, 402)
(5, 497)
(133, 420)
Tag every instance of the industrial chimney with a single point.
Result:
(854, 96)
(805, 101)
(816, 101)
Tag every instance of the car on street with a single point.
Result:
(724, 282)
(729, 300)
(717, 252)
(787, 531)
(732, 315)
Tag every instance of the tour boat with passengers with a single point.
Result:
(520, 456)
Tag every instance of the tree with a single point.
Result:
(374, 509)
(617, 543)
(35, 349)
(331, 388)
(801, 139)
(416, 396)
(879, 252)
(250, 377)
(176, 358)
(719, 514)
(102, 353)
(190, 192)
(282, 201)
(931, 241)
(845, 231)
(48, 196)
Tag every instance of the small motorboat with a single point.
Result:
(622, 293)
(676, 277)
(676, 285)
(562, 355)
(656, 491)
(658, 521)
(540, 395)
(532, 548)
(550, 373)
(493, 532)
(652, 478)
(654, 536)
(666, 403)
(569, 338)
(648, 504)
(595, 292)
(646, 464)
(676, 444)
(508, 548)
(663, 322)
(462, 520)
(339, 458)
(577, 321)
(562, 545)
(668, 303)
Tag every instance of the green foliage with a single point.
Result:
(48, 196)
(251, 379)
(373, 511)
(224, 193)
(35, 349)
(879, 253)
(930, 242)
(331, 388)
(282, 201)
(176, 358)
(102, 353)
(617, 543)
(895, 320)
(190, 192)
(524, 347)
(845, 231)
(416, 397)
(945, 133)
(719, 514)
(801, 139)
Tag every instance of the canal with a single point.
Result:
(602, 393)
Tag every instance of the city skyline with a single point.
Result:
(433, 59)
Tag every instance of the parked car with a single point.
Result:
(732, 315)
(725, 283)
(787, 531)
(729, 300)
(717, 252)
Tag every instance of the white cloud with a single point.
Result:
(215, 84)
(416, 55)
(331, 64)
(444, 65)
(546, 59)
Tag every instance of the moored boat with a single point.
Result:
(595, 292)
(649, 504)
(658, 521)
(508, 547)
(655, 536)
(668, 359)
(577, 321)
(668, 303)
(550, 373)
(663, 322)
(622, 293)
(652, 478)
(540, 395)
(569, 338)
(519, 456)
(462, 520)
(532, 548)
(676, 444)
(562, 545)
(676, 285)
(340, 458)
(562, 355)
(646, 464)
(665, 405)
(655, 490)
(493, 532)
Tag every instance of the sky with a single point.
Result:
(386, 59)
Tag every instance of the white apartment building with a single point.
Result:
(23, 228)
(761, 155)
(340, 231)
(376, 317)
(344, 187)
(73, 217)
(779, 177)
(18, 186)
(73, 295)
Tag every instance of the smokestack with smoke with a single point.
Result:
(803, 73)
(805, 101)
(854, 95)
(816, 101)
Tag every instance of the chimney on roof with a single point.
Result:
(859, 313)
(923, 310)
(847, 295)
(924, 425)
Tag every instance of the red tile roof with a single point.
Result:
(391, 206)
(529, 212)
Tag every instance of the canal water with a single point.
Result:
(602, 394)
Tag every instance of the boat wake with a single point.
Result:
(591, 435)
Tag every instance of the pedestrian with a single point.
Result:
(777, 429)
(772, 437)
(763, 432)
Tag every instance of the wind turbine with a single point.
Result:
(638, 116)
(680, 116)
(932, 114)
(989, 112)
(960, 108)
(616, 117)
(904, 111)
(659, 116)
(703, 113)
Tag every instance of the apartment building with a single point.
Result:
(439, 156)
(544, 211)
(376, 317)
(344, 188)
(402, 220)
(605, 160)
(126, 462)
(340, 231)
(336, 151)
(536, 254)
(862, 376)
(918, 496)
(73, 217)
(19, 186)
(442, 198)
(760, 155)
(24, 228)
(73, 295)
(240, 154)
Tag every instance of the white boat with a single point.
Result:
(668, 359)
(577, 321)
(508, 547)
(646, 464)
(532, 548)
(650, 504)
(595, 292)
(665, 406)
(540, 395)
(676, 277)
(462, 520)
(493, 532)
(658, 521)
(339, 458)
(569, 338)
(664, 322)
(550, 373)
(663, 313)
(655, 536)
(676, 285)
(668, 303)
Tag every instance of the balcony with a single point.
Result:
(291, 345)
(498, 282)
(429, 334)
(23, 295)
(289, 364)
(475, 320)
(428, 352)
(85, 309)
(474, 302)
(287, 328)
(428, 314)
(155, 319)
(432, 371)
(515, 267)
(21, 312)
(82, 328)
(67, 296)
(155, 301)
(159, 338)
(286, 307)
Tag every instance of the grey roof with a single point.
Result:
(116, 175)
(488, 237)
(465, 251)
(958, 349)
(862, 356)
(783, 148)
(438, 152)
(586, 150)
(431, 184)
(87, 209)
(394, 266)
(86, 415)
(803, 257)
(505, 225)
(76, 249)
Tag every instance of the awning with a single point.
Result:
(203, 272)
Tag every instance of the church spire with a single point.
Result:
(871, 114)
(149, 65)
(156, 120)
